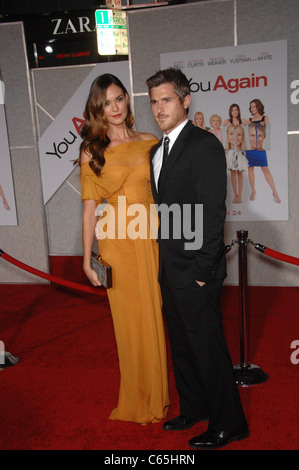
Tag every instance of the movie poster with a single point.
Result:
(239, 94)
(8, 215)
(59, 145)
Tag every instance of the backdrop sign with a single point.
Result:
(240, 94)
(8, 215)
(59, 145)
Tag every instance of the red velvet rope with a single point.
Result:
(281, 256)
(276, 254)
(50, 277)
(97, 291)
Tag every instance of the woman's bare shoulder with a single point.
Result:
(147, 136)
(85, 156)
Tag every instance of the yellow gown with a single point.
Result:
(134, 298)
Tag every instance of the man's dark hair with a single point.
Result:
(171, 75)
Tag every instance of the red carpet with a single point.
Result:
(61, 392)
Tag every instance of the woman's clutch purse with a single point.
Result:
(103, 270)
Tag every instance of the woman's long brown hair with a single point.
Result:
(94, 130)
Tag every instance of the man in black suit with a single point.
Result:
(191, 274)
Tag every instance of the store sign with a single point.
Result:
(60, 26)
(112, 37)
(61, 39)
(75, 25)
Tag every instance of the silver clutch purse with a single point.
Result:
(103, 270)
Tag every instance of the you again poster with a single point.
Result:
(240, 94)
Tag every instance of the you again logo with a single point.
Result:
(231, 85)
(62, 147)
(134, 221)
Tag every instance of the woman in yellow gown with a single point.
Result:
(114, 163)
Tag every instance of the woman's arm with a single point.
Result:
(89, 221)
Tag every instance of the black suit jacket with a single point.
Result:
(195, 173)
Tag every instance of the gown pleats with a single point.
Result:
(134, 298)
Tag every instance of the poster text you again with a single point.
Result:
(61, 148)
(231, 85)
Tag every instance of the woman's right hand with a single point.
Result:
(92, 276)
(89, 220)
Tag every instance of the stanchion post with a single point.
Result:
(242, 239)
(245, 373)
(7, 360)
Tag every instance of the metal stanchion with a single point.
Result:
(245, 373)
(7, 360)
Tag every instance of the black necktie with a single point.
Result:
(165, 155)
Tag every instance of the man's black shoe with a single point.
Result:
(180, 423)
(215, 439)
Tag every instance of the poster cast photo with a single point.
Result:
(245, 141)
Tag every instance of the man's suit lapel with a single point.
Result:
(174, 154)
(153, 183)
